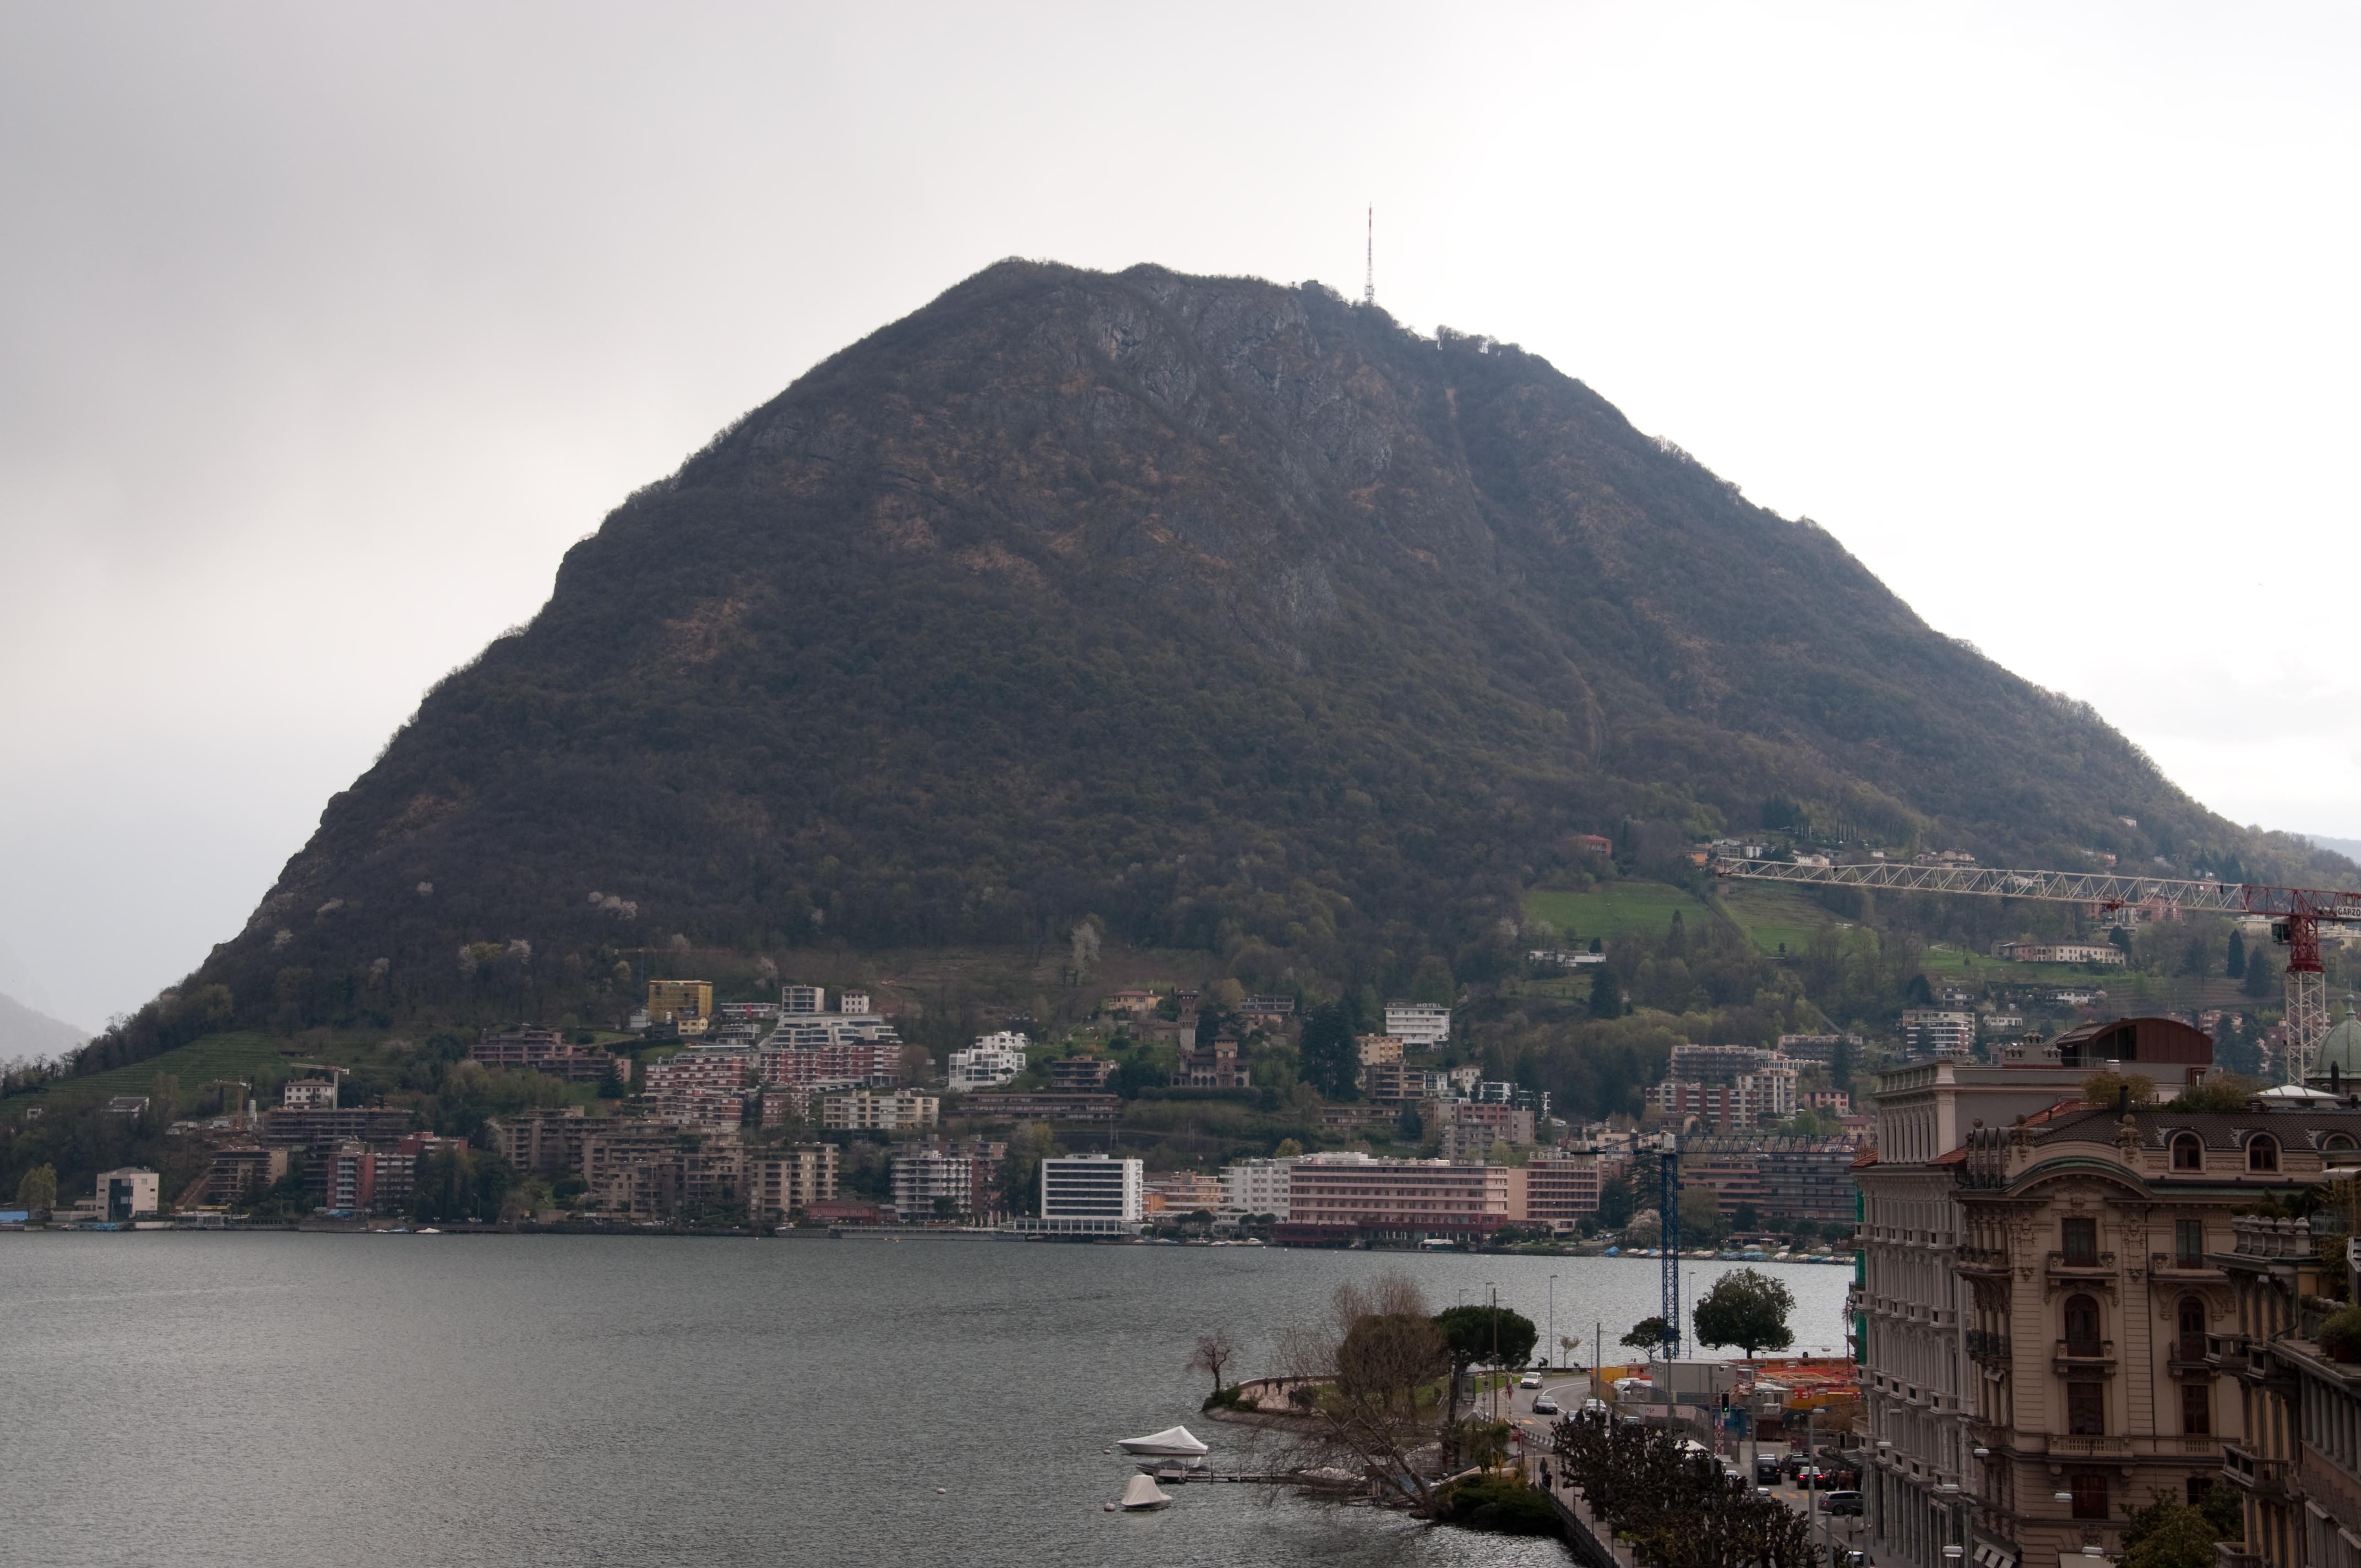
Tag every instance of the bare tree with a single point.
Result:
(1215, 1351)
(1368, 1379)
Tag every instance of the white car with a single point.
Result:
(1530, 1380)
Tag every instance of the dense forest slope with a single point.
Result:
(1234, 615)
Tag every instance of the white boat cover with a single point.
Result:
(1174, 1440)
(1144, 1493)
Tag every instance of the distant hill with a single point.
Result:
(28, 1036)
(2348, 848)
(1235, 615)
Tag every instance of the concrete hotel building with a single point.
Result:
(1418, 1025)
(1561, 1188)
(1090, 1194)
(1400, 1199)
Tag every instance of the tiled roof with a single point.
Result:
(2218, 1129)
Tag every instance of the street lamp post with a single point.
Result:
(1549, 1349)
(1494, 1291)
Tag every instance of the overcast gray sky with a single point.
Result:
(324, 329)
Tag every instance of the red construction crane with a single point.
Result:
(2295, 913)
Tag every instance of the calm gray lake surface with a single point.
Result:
(285, 1400)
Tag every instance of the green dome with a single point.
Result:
(2341, 1050)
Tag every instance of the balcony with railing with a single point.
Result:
(2258, 1235)
(2079, 1265)
(2191, 1269)
(1983, 1262)
(1987, 1348)
(2085, 1357)
(2264, 1477)
(2188, 1352)
(2090, 1447)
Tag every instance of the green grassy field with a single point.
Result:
(1779, 920)
(1613, 909)
(252, 1057)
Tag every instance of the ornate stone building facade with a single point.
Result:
(2092, 1251)
(2298, 1462)
(1946, 1398)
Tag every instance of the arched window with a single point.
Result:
(2081, 1326)
(2192, 1330)
(2187, 1152)
(2336, 1141)
(2262, 1152)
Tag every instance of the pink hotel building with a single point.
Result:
(1399, 1201)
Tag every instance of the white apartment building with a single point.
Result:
(1088, 1194)
(308, 1094)
(992, 1060)
(1253, 1187)
(2060, 953)
(1938, 1031)
(803, 998)
(127, 1193)
(923, 1176)
(1418, 1025)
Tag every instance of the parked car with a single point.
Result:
(1841, 1503)
(1544, 1405)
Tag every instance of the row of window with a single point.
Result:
(2262, 1150)
(2086, 1409)
(2083, 1338)
(2077, 1243)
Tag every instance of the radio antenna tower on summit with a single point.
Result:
(1370, 276)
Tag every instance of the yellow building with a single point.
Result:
(679, 1001)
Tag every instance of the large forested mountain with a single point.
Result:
(1233, 615)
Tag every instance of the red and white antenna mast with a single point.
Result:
(1369, 277)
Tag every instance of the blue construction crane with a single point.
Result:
(1668, 1214)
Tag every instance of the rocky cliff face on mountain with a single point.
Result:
(1234, 615)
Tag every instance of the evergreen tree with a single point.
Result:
(2237, 964)
(1605, 1000)
(1615, 1202)
(1332, 1058)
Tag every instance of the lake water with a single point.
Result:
(287, 1400)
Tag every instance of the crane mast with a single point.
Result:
(2295, 913)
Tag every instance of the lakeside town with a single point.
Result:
(747, 1114)
(2092, 1273)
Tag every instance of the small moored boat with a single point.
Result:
(1172, 1442)
(1143, 1493)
